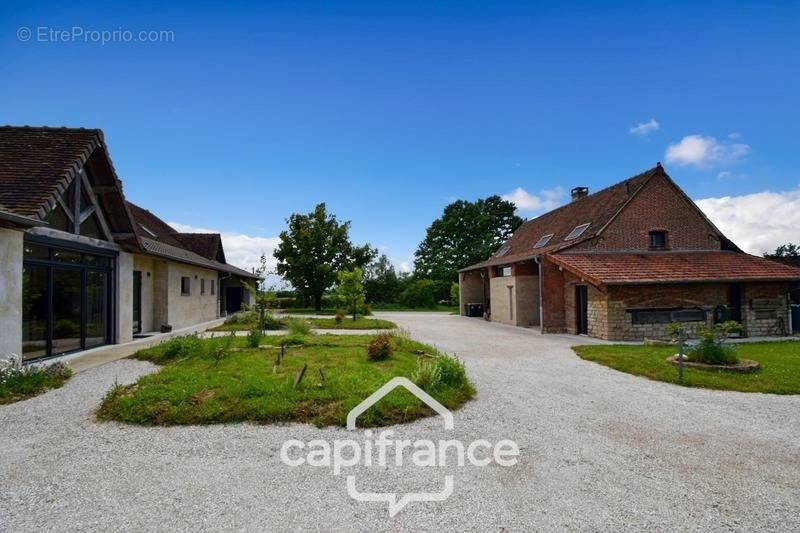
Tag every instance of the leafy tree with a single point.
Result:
(419, 293)
(380, 281)
(350, 290)
(454, 293)
(314, 248)
(466, 233)
(786, 250)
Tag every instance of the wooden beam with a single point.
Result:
(86, 213)
(92, 198)
(104, 189)
(122, 236)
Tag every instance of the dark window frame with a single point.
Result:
(662, 235)
(666, 315)
(186, 286)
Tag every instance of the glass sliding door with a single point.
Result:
(67, 307)
(96, 308)
(34, 312)
(67, 299)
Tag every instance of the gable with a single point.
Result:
(659, 206)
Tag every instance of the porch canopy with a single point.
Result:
(673, 267)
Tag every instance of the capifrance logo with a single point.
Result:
(380, 448)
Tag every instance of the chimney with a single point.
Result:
(579, 192)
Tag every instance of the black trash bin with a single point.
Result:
(473, 310)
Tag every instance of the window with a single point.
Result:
(503, 251)
(186, 286)
(657, 240)
(543, 241)
(213, 290)
(665, 316)
(503, 271)
(577, 232)
(202, 286)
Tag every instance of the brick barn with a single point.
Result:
(624, 262)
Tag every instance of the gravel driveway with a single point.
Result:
(600, 450)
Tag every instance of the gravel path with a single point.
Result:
(601, 450)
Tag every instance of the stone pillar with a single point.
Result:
(11, 252)
(124, 297)
(160, 294)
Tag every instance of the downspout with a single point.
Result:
(538, 261)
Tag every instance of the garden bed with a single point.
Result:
(195, 386)
(26, 382)
(744, 365)
(349, 323)
(779, 372)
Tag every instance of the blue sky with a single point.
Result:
(387, 111)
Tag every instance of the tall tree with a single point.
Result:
(381, 281)
(466, 233)
(786, 250)
(314, 248)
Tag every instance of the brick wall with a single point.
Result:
(553, 306)
(470, 288)
(657, 207)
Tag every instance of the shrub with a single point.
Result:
(340, 314)
(380, 347)
(419, 293)
(254, 338)
(452, 370)
(242, 317)
(454, 293)
(366, 310)
(18, 381)
(298, 326)
(181, 347)
(427, 375)
(712, 352)
(271, 323)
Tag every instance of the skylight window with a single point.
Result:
(543, 241)
(503, 251)
(577, 232)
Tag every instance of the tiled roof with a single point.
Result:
(36, 162)
(161, 239)
(596, 209)
(208, 245)
(673, 267)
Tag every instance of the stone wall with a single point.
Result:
(515, 300)
(196, 307)
(146, 265)
(11, 250)
(124, 299)
(760, 320)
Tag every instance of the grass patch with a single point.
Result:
(779, 372)
(26, 382)
(349, 323)
(247, 384)
(398, 307)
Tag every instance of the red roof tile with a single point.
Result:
(596, 209)
(673, 267)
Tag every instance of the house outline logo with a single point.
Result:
(397, 502)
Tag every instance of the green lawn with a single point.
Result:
(317, 323)
(349, 323)
(31, 382)
(779, 372)
(245, 384)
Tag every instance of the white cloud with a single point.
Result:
(757, 222)
(702, 151)
(723, 175)
(643, 128)
(546, 200)
(243, 251)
